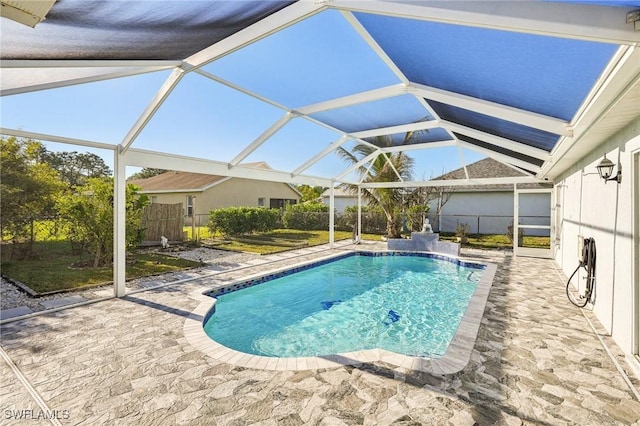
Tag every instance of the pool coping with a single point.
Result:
(455, 358)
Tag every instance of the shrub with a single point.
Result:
(509, 233)
(242, 220)
(462, 230)
(374, 221)
(346, 220)
(306, 216)
(415, 215)
(462, 233)
(89, 216)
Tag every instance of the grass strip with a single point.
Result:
(51, 270)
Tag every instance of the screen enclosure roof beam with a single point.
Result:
(557, 19)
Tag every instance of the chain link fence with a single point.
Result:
(372, 223)
(376, 223)
(36, 229)
(490, 224)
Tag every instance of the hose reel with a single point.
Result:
(588, 262)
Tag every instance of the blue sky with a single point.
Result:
(319, 59)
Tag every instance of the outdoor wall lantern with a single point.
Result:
(605, 170)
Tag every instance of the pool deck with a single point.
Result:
(537, 360)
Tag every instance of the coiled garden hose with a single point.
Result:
(588, 262)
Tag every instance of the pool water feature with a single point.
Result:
(405, 303)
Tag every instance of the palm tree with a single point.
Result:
(381, 169)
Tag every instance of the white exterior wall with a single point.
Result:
(341, 203)
(491, 211)
(605, 212)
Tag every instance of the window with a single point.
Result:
(280, 203)
(190, 199)
(262, 202)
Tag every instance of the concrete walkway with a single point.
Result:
(126, 361)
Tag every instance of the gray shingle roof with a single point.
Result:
(488, 168)
(173, 181)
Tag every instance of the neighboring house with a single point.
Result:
(488, 209)
(207, 192)
(341, 199)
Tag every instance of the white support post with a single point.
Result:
(464, 163)
(275, 127)
(439, 212)
(331, 216)
(359, 234)
(155, 104)
(331, 148)
(119, 225)
(359, 164)
(193, 219)
(515, 220)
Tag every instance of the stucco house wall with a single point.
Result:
(341, 199)
(607, 212)
(341, 203)
(246, 192)
(173, 198)
(228, 192)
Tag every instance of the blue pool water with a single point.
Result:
(405, 304)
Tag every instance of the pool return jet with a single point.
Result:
(587, 261)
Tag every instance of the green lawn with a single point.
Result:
(52, 269)
(288, 239)
(202, 232)
(278, 240)
(498, 241)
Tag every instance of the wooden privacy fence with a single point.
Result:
(160, 220)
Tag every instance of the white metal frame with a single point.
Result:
(635, 206)
(595, 23)
(559, 19)
(101, 70)
(526, 251)
(515, 115)
(577, 21)
(616, 81)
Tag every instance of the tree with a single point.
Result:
(74, 167)
(382, 168)
(89, 212)
(28, 190)
(426, 195)
(146, 173)
(310, 193)
(419, 201)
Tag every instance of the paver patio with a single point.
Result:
(127, 361)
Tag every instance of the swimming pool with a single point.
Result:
(407, 303)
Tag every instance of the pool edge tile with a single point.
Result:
(456, 357)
